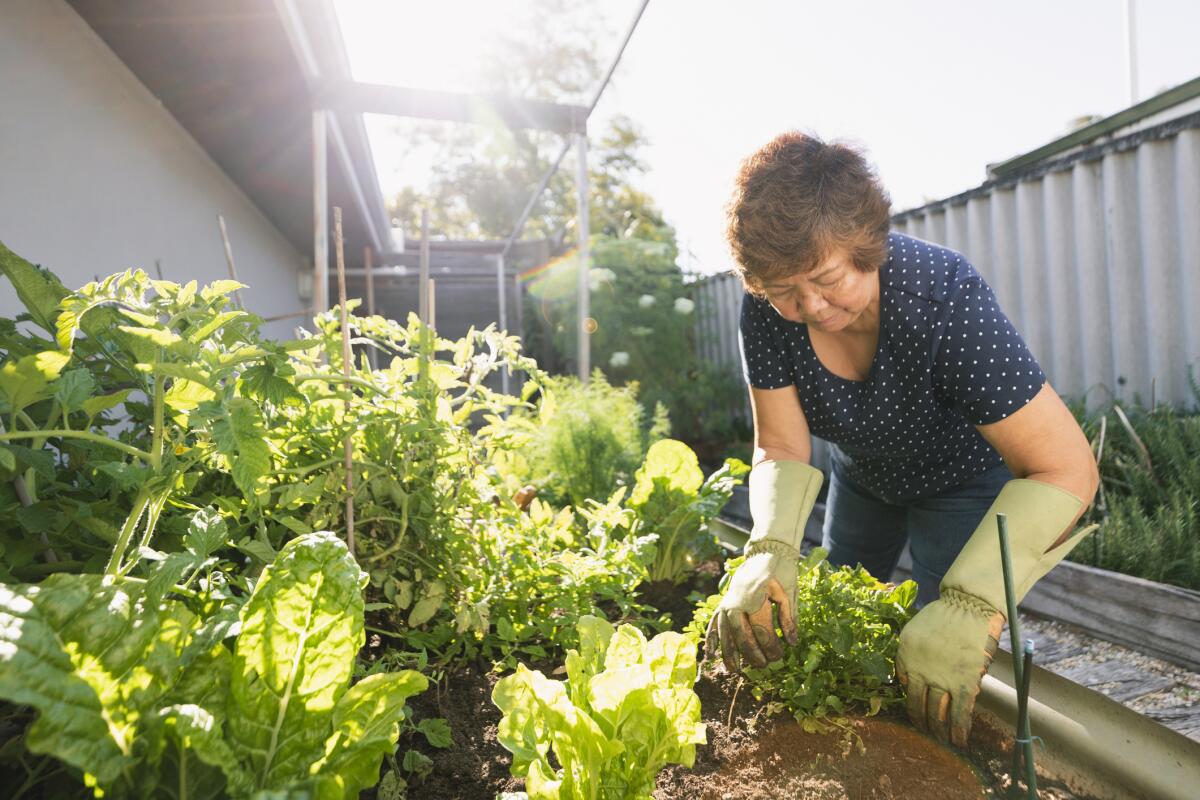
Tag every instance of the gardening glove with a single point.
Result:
(782, 494)
(947, 647)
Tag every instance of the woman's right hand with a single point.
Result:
(761, 593)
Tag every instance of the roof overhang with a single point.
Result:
(226, 70)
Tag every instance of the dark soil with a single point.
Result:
(674, 599)
(758, 758)
(475, 766)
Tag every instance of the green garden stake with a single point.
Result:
(1024, 737)
(1010, 595)
(1019, 673)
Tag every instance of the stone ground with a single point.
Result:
(1156, 688)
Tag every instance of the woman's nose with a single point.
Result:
(811, 304)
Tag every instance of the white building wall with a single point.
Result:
(97, 177)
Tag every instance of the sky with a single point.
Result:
(933, 91)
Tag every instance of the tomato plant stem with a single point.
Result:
(68, 434)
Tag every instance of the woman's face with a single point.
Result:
(830, 297)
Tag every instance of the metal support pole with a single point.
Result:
(502, 315)
(586, 324)
(372, 353)
(320, 215)
(1131, 49)
(423, 279)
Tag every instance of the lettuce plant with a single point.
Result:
(674, 501)
(142, 696)
(626, 710)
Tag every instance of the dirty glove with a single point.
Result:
(782, 494)
(947, 647)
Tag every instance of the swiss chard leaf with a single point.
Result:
(301, 630)
(93, 658)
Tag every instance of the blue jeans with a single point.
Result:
(860, 528)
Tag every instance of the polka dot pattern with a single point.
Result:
(947, 359)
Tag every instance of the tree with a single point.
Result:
(483, 175)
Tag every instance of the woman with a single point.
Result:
(896, 352)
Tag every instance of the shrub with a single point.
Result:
(584, 441)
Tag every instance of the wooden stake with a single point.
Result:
(348, 445)
(432, 321)
(229, 260)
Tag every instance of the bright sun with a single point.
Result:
(422, 44)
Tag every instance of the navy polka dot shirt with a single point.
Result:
(947, 359)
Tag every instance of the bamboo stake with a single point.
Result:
(348, 445)
(229, 260)
(304, 312)
(432, 304)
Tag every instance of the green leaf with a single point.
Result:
(95, 405)
(415, 762)
(26, 380)
(670, 464)
(201, 733)
(424, 609)
(239, 435)
(207, 532)
(187, 395)
(144, 320)
(8, 461)
(260, 550)
(436, 731)
(159, 337)
(220, 289)
(264, 383)
(294, 525)
(39, 290)
(73, 388)
(126, 476)
(301, 630)
(366, 724)
(93, 658)
(208, 328)
(173, 369)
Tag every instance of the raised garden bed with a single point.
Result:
(748, 756)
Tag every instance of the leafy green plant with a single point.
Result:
(584, 441)
(176, 359)
(674, 501)
(543, 572)
(626, 710)
(849, 624)
(1147, 506)
(140, 693)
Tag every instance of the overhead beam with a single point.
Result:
(354, 97)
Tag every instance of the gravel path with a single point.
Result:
(1161, 691)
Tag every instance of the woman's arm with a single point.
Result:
(780, 428)
(1042, 442)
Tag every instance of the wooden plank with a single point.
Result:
(1118, 680)
(1152, 618)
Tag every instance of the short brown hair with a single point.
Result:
(797, 200)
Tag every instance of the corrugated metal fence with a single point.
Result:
(1095, 256)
